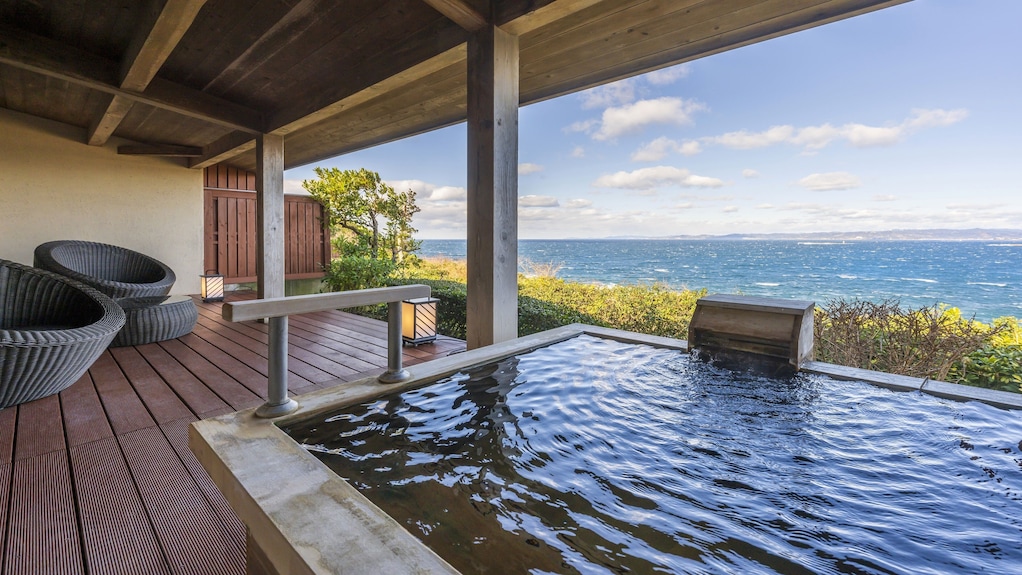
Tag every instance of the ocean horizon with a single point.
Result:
(982, 278)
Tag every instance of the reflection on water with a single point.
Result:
(640, 460)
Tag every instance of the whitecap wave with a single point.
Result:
(661, 270)
(847, 277)
(992, 284)
(1004, 245)
(767, 284)
(923, 280)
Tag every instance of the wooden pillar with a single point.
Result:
(492, 187)
(270, 215)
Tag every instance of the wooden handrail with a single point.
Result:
(277, 311)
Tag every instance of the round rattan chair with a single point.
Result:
(116, 271)
(52, 329)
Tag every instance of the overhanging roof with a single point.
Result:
(199, 78)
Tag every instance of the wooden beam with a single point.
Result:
(227, 147)
(373, 75)
(168, 150)
(55, 60)
(492, 187)
(385, 87)
(460, 12)
(270, 215)
(148, 50)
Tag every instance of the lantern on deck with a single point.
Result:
(212, 287)
(418, 320)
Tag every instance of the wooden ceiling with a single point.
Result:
(198, 78)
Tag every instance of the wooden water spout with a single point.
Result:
(737, 329)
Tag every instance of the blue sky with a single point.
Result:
(904, 118)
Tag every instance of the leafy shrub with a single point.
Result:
(990, 367)
(357, 272)
(924, 342)
(546, 302)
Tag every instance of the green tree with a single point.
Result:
(372, 212)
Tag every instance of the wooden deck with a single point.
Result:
(99, 479)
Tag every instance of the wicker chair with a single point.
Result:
(116, 271)
(51, 330)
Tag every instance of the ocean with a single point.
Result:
(982, 279)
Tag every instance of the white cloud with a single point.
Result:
(649, 178)
(813, 138)
(884, 198)
(633, 117)
(578, 204)
(830, 181)
(584, 126)
(653, 151)
(922, 118)
(613, 94)
(668, 75)
(658, 148)
(743, 140)
(690, 148)
(426, 192)
(578, 152)
(750, 173)
(532, 201)
(527, 168)
(765, 207)
(295, 187)
(730, 209)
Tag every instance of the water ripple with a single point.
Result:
(641, 460)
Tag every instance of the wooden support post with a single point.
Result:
(492, 187)
(270, 215)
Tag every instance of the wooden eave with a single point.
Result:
(334, 77)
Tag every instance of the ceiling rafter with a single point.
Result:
(168, 150)
(223, 149)
(148, 50)
(461, 13)
(55, 60)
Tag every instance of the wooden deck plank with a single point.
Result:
(194, 540)
(43, 527)
(161, 400)
(8, 422)
(198, 397)
(5, 490)
(256, 340)
(230, 391)
(249, 357)
(241, 372)
(99, 479)
(176, 433)
(125, 409)
(40, 428)
(84, 417)
(116, 533)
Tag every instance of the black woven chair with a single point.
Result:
(52, 329)
(115, 271)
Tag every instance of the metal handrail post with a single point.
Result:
(395, 373)
(277, 401)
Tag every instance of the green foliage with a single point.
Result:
(356, 272)
(546, 302)
(991, 367)
(653, 309)
(372, 212)
(935, 342)
(882, 336)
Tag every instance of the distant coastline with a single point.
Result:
(928, 235)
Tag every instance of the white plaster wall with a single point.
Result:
(53, 186)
